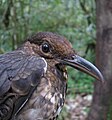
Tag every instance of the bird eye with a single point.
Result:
(45, 48)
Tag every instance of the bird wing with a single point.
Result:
(19, 71)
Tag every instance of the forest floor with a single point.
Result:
(76, 108)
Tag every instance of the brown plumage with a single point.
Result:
(33, 78)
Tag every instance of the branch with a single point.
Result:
(6, 14)
(82, 4)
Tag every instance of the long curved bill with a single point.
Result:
(85, 66)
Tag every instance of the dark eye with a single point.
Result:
(45, 47)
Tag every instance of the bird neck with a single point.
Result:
(28, 48)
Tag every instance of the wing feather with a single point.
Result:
(19, 71)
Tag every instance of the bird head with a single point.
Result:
(57, 48)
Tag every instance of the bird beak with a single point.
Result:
(85, 66)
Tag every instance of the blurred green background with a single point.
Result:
(74, 19)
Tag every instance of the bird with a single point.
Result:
(33, 78)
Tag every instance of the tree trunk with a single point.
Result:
(101, 108)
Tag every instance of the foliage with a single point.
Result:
(74, 19)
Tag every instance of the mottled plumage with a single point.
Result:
(33, 78)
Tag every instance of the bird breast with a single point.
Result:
(48, 99)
